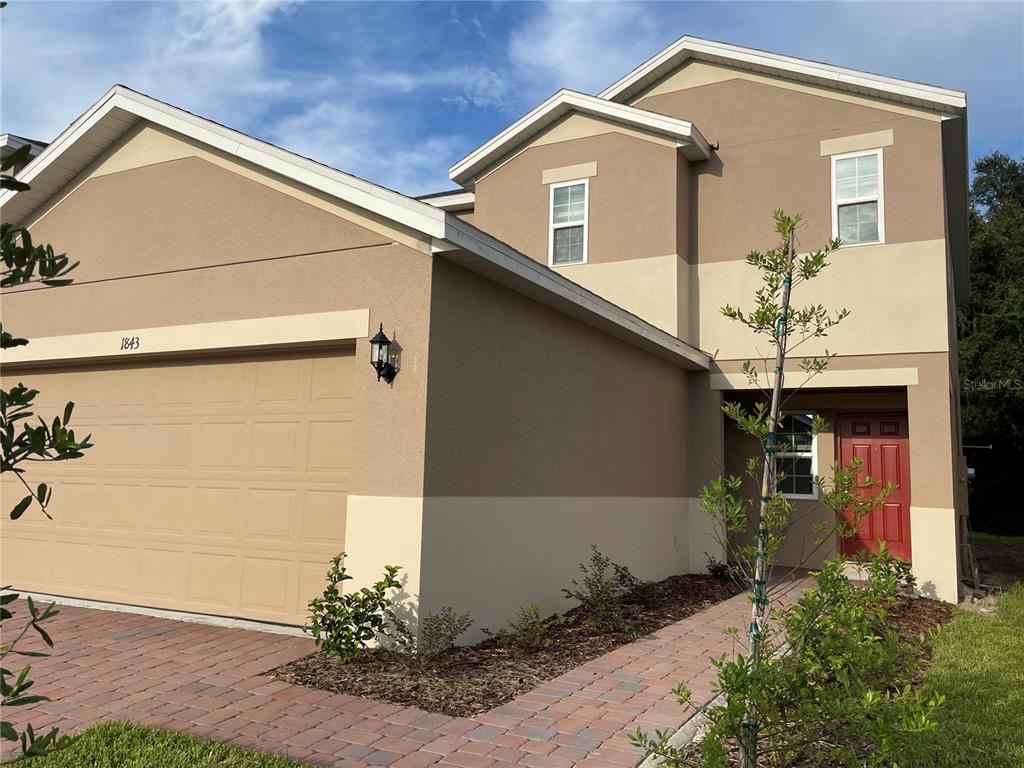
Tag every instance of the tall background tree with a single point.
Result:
(991, 330)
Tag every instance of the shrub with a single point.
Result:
(343, 624)
(437, 636)
(840, 696)
(609, 596)
(439, 631)
(525, 632)
(717, 568)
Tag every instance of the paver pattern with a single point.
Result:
(210, 681)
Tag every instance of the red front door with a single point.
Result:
(882, 443)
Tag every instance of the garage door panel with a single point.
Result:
(216, 486)
(169, 445)
(276, 446)
(215, 511)
(269, 514)
(165, 509)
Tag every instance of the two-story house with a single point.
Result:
(559, 355)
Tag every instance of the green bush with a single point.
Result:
(716, 568)
(437, 635)
(525, 632)
(343, 624)
(609, 592)
(838, 693)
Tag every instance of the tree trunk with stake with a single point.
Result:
(759, 606)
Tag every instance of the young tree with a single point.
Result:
(750, 681)
(25, 442)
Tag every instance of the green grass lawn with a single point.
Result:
(124, 745)
(979, 536)
(979, 666)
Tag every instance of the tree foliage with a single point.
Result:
(991, 331)
(28, 439)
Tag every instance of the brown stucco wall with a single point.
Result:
(187, 241)
(525, 401)
(632, 207)
(768, 157)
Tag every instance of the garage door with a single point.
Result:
(215, 486)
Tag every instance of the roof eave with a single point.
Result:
(479, 252)
(893, 89)
(470, 168)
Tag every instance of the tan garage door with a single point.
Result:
(216, 486)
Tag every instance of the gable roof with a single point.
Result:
(110, 118)
(787, 67)
(689, 140)
(121, 108)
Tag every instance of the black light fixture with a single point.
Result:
(380, 359)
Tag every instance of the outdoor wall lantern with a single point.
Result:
(381, 358)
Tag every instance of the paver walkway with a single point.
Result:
(209, 681)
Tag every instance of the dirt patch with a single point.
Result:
(1000, 558)
(470, 680)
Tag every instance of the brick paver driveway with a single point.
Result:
(209, 681)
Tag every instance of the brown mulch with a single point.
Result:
(469, 680)
(912, 616)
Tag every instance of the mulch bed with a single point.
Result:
(470, 680)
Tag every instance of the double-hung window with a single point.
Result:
(858, 213)
(795, 464)
(568, 235)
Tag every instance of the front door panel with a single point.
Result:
(882, 443)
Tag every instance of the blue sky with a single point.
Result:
(396, 92)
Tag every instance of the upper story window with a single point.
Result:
(858, 215)
(795, 463)
(568, 237)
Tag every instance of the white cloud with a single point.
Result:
(206, 57)
(367, 143)
(584, 46)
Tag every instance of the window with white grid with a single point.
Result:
(858, 215)
(568, 236)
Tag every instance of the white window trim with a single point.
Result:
(552, 226)
(813, 495)
(880, 197)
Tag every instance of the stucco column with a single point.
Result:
(707, 461)
(933, 480)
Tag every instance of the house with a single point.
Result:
(563, 359)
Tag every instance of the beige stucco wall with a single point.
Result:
(634, 256)
(769, 156)
(525, 401)
(884, 287)
(543, 437)
(634, 176)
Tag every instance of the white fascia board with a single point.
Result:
(503, 264)
(456, 200)
(698, 48)
(562, 103)
(392, 205)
